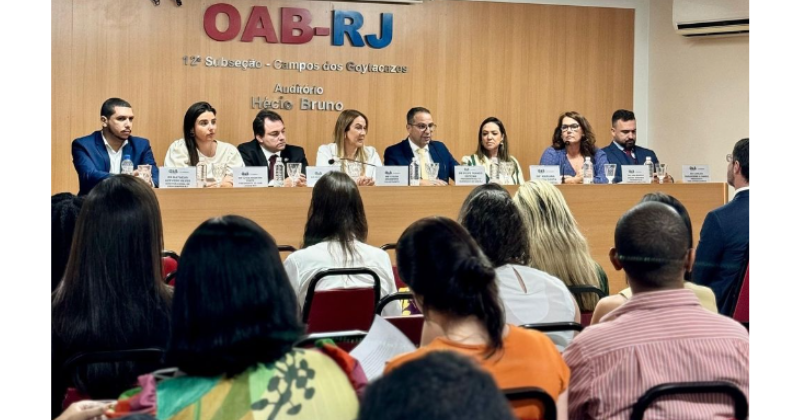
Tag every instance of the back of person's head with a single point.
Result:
(336, 213)
(741, 154)
(234, 306)
(652, 245)
(258, 121)
(442, 385)
(678, 206)
(494, 221)
(449, 274)
(557, 245)
(64, 210)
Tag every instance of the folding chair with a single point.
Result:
(533, 393)
(554, 326)
(397, 282)
(586, 315)
(286, 248)
(678, 388)
(169, 263)
(741, 312)
(341, 309)
(410, 325)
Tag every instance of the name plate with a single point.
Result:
(177, 177)
(470, 175)
(635, 174)
(696, 173)
(314, 173)
(250, 177)
(391, 176)
(548, 173)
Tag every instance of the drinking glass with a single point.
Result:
(294, 171)
(507, 172)
(354, 169)
(202, 174)
(217, 172)
(145, 173)
(611, 170)
(433, 170)
(661, 171)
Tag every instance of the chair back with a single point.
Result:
(554, 326)
(341, 309)
(577, 290)
(410, 325)
(741, 312)
(397, 282)
(533, 393)
(169, 263)
(679, 388)
(286, 248)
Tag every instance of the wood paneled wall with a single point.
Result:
(467, 60)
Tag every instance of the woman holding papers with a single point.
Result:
(573, 141)
(200, 147)
(454, 285)
(348, 148)
(493, 144)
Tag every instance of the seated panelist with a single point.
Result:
(623, 149)
(349, 136)
(269, 144)
(493, 143)
(573, 141)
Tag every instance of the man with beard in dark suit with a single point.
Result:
(269, 145)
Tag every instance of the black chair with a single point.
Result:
(391, 298)
(554, 326)
(169, 262)
(677, 388)
(397, 282)
(286, 248)
(533, 393)
(341, 309)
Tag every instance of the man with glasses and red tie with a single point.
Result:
(419, 144)
(269, 145)
(623, 149)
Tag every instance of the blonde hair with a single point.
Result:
(343, 124)
(557, 246)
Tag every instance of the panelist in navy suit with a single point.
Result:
(725, 237)
(623, 149)
(420, 126)
(99, 155)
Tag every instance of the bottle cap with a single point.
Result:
(126, 157)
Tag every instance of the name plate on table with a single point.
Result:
(635, 174)
(314, 173)
(177, 177)
(470, 175)
(696, 173)
(548, 173)
(391, 176)
(250, 177)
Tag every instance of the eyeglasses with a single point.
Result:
(422, 127)
(729, 158)
(571, 127)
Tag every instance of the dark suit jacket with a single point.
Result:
(253, 156)
(400, 154)
(620, 158)
(90, 157)
(723, 248)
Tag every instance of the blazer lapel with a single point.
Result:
(258, 154)
(102, 153)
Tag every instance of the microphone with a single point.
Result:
(338, 159)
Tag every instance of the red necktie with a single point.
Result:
(272, 160)
(630, 155)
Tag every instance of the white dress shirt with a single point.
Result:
(228, 154)
(114, 157)
(326, 152)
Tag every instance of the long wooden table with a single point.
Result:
(282, 211)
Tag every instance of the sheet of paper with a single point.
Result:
(383, 342)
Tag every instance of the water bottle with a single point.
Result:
(126, 167)
(413, 173)
(588, 170)
(280, 175)
(649, 164)
(494, 171)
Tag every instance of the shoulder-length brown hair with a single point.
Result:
(588, 140)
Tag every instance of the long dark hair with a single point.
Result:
(112, 296)
(494, 221)
(189, 119)
(502, 153)
(588, 140)
(336, 213)
(444, 266)
(64, 209)
(234, 306)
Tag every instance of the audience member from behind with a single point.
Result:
(335, 237)
(269, 145)
(493, 143)
(529, 295)
(573, 141)
(661, 335)
(235, 320)
(442, 385)
(99, 155)
(64, 209)
(200, 147)
(348, 147)
(557, 245)
(454, 286)
(704, 294)
(112, 296)
(724, 244)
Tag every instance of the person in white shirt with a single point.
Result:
(335, 236)
(530, 296)
(200, 147)
(348, 148)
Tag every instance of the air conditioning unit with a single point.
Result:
(707, 18)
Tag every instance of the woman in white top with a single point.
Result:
(334, 238)
(530, 296)
(493, 143)
(199, 146)
(349, 136)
